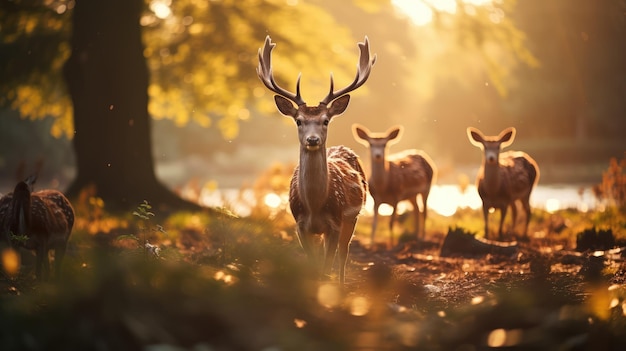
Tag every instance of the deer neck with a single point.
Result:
(380, 174)
(491, 177)
(313, 178)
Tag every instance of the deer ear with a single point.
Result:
(475, 136)
(338, 106)
(506, 137)
(285, 106)
(361, 134)
(394, 133)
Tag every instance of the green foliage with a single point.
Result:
(21, 238)
(143, 211)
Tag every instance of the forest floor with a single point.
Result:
(226, 283)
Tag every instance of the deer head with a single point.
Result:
(491, 145)
(377, 142)
(312, 121)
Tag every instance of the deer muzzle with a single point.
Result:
(313, 143)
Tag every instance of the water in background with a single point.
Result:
(443, 199)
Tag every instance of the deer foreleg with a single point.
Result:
(330, 248)
(345, 236)
(306, 241)
(486, 218)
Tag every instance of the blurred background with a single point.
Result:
(552, 69)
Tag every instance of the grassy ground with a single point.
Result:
(226, 283)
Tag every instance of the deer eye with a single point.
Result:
(298, 122)
(326, 121)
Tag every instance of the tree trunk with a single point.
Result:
(108, 78)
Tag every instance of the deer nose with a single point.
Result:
(492, 159)
(313, 140)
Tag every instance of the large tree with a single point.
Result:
(201, 56)
(107, 77)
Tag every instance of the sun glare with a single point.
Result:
(161, 8)
(421, 12)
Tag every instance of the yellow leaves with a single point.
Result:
(33, 102)
(370, 6)
(168, 104)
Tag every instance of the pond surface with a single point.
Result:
(444, 199)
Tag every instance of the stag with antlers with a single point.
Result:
(328, 186)
(39, 221)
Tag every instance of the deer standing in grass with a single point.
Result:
(504, 177)
(44, 219)
(328, 187)
(396, 177)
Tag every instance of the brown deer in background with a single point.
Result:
(44, 219)
(504, 177)
(328, 186)
(396, 177)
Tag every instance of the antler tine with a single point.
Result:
(362, 73)
(264, 71)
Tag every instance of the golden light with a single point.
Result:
(421, 12)
(496, 338)
(328, 295)
(385, 210)
(502, 337)
(226, 278)
(300, 323)
(417, 11)
(272, 200)
(10, 262)
(161, 8)
(553, 205)
(477, 300)
(360, 306)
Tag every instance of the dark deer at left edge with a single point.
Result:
(39, 221)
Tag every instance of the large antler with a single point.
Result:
(267, 77)
(362, 73)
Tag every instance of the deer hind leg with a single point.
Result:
(347, 230)
(391, 220)
(375, 221)
(59, 254)
(514, 215)
(526, 205)
(416, 214)
(424, 212)
(42, 263)
(503, 211)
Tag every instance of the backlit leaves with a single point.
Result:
(203, 58)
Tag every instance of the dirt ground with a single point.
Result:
(217, 282)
